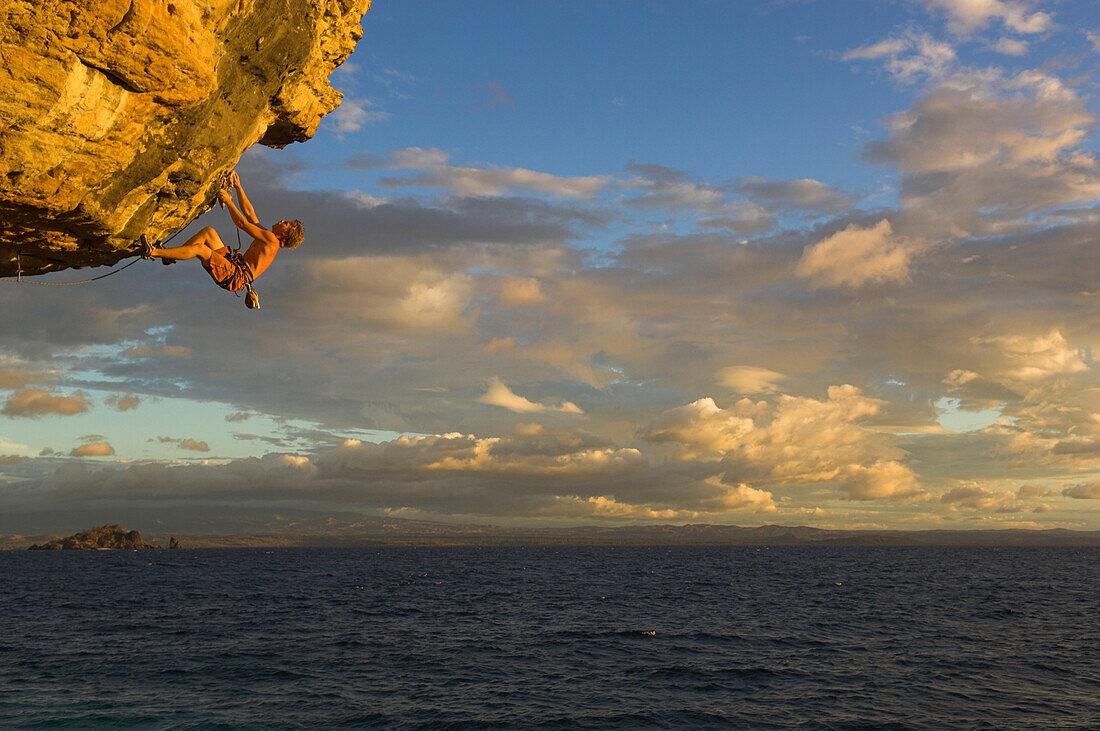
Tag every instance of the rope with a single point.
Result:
(19, 276)
(65, 284)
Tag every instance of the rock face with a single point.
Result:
(121, 117)
(105, 536)
(174, 543)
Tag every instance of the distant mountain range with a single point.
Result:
(304, 528)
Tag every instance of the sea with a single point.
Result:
(552, 637)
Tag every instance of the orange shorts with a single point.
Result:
(226, 272)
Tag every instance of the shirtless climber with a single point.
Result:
(234, 271)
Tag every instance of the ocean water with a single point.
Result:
(559, 637)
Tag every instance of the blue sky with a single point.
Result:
(799, 262)
(719, 89)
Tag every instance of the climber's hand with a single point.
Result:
(224, 197)
(234, 179)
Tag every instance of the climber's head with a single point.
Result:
(290, 233)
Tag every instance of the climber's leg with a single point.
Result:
(201, 245)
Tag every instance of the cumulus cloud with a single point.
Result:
(797, 441)
(122, 402)
(1031, 358)
(858, 256)
(520, 291)
(966, 16)
(408, 296)
(93, 449)
(238, 416)
(602, 506)
(984, 151)
(1086, 491)
(12, 458)
(13, 378)
(971, 496)
(499, 394)
(35, 402)
(537, 472)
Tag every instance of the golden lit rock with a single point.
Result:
(120, 117)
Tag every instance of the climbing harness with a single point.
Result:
(251, 298)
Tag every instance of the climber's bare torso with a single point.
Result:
(224, 267)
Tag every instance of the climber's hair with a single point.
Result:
(294, 234)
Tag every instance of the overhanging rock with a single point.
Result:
(121, 117)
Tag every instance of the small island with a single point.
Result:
(104, 537)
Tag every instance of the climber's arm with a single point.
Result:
(246, 205)
(254, 230)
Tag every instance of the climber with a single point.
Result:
(233, 271)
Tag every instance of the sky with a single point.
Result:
(566, 263)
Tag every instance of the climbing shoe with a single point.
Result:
(146, 250)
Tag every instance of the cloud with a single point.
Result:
(122, 403)
(603, 506)
(967, 16)
(418, 158)
(1031, 358)
(342, 223)
(35, 402)
(500, 95)
(493, 181)
(909, 57)
(353, 114)
(983, 152)
(1086, 491)
(1093, 37)
(149, 351)
(673, 191)
(537, 472)
(971, 496)
(499, 394)
(407, 296)
(520, 291)
(797, 441)
(13, 458)
(804, 193)
(13, 378)
(750, 379)
(497, 181)
(857, 256)
(1010, 47)
(238, 416)
(882, 49)
(183, 443)
(93, 449)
